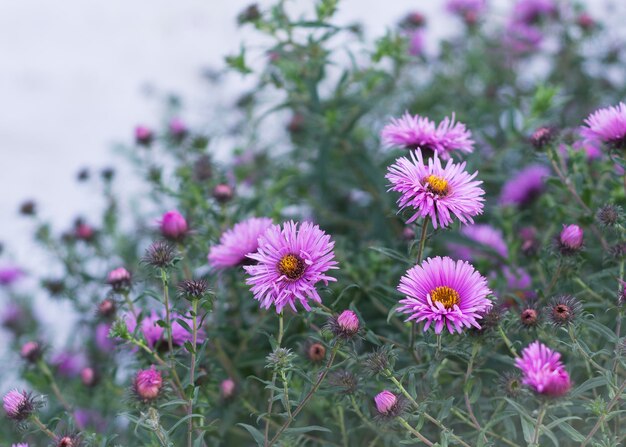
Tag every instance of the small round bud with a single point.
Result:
(585, 21)
(609, 215)
(107, 174)
(68, 441)
(413, 20)
(178, 129)
(571, 239)
(82, 175)
(148, 384)
(511, 384)
(345, 380)
(348, 322)
(408, 234)
(106, 308)
(31, 351)
(385, 401)
(173, 225)
(160, 254)
(193, 289)
(28, 208)
(223, 193)
(542, 137)
(563, 310)
(119, 279)
(250, 14)
(88, 376)
(143, 136)
(529, 317)
(84, 232)
(227, 388)
(316, 352)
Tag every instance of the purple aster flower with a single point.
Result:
(442, 292)
(19, 445)
(531, 11)
(435, 191)
(416, 42)
(291, 261)
(173, 225)
(525, 186)
(148, 384)
(18, 404)
(413, 132)
(156, 336)
(9, 275)
(103, 342)
(517, 278)
(543, 371)
(69, 364)
(521, 38)
(464, 7)
(607, 125)
(238, 242)
(385, 401)
(485, 235)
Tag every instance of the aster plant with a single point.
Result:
(376, 240)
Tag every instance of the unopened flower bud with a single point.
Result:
(223, 193)
(177, 128)
(316, 352)
(542, 137)
(585, 21)
(84, 232)
(143, 135)
(529, 317)
(348, 322)
(31, 351)
(88, 376)
(119, 279)
(106, 308)
(571, 239)
(148, 384)
(609, 215)
(28, 208)
(227, 388)
(173, 225)
(385, 401)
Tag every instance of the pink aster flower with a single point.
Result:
(156, 336)
(464, 7)
(486, 237)
(521, 38)
(238, 242)
(416, 42)
(385, 401)
(525, 186)
(412, 132)
(607, 125)
(291, 259)
(531, 11)
(9, 275)
(441, 291)
(543, 371)
(435, 191)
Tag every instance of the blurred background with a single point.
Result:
(76, 78)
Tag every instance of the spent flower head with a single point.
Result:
(563, 310)
(193, 289)
(160, 254)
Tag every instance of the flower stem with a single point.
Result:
(53, 385)
(415, 433)
(270, 403)
(43, 427)
(192, 370)
(536, 435)
(507, 342)
(468, 403)
(308, 397)
(420, 253)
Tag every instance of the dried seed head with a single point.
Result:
(193, 289)
(563, 310)
(379, 360)
(160, 254)
(609, 215)
(345, 380)
(315, 351)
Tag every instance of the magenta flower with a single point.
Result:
(413, 132)
(416, 42)
(156, 336)
(465, 7)
(543, 371)
(173, 225)
(227, 388)
(521, 38)
(607, 125)
(148, 384)
(486, 236)
(385, 401)
(143, 135)
(291, 261)
(571, 238)
(18, 404)
(517, 278)
(103, 342)
(9, 275)
(441, 291)
(348, 321)
(435, 191)
(238, 242)
(531, 11)
(525, 186)
(68, 364)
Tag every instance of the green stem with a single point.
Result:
(582, 351)
(192, 370)
(580, 282)
(420, 253)
(342, 426)
(416, 433)
(468, 404)
(43, 427)
(507, 342)
(53, 385)
(469, 423)
(536, 435)
(270, 403)
(308, 397)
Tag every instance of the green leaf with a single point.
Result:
(256, 434)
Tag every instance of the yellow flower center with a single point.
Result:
(437, 185)
(291, 266)
(446, 296)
